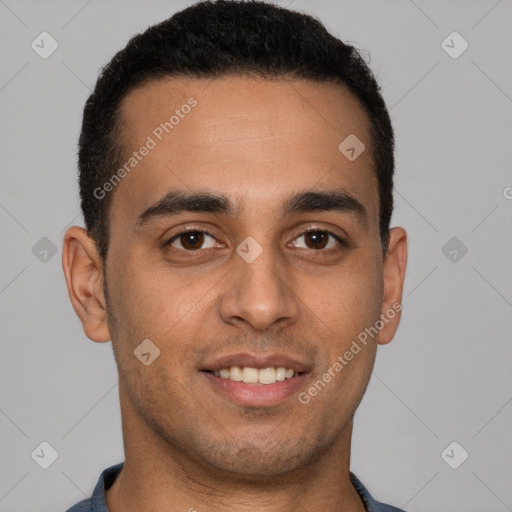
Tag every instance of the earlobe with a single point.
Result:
(394, 274)
(83, 268)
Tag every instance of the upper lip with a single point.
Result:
(258, 361)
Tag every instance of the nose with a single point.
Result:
(260, 293)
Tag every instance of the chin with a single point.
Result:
(257, 459)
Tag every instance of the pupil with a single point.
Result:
(317, 237)
(195, 237)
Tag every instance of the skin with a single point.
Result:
(256, 141)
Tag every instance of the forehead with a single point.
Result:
(252, 139)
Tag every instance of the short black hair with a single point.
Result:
(211, 39)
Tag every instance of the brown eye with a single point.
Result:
(317, 239)
(190, 240)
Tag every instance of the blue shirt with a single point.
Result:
(96, 503)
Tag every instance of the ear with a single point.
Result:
(83, 267)
(394, 274)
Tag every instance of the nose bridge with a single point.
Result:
(259, 289)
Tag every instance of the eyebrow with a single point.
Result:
(176, 202)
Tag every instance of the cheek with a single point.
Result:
(347, 301)
(351, 306)
(151, 304)
(154, 303)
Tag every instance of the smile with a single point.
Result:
(256, 379)
(263, 376)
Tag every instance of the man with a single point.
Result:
(236, 172)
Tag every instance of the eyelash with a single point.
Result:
(312, 230)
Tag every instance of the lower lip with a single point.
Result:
(256, 395)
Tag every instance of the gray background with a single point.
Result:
(446, 376)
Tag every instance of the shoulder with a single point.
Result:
(370, 503)
(96, 503)
(82, 506)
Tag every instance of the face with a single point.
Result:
(243, 237)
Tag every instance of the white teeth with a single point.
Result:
(280, 373)
(235, 373)
(267, 376)
(250, 375)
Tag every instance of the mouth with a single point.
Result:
(256, 381)
(262, 376)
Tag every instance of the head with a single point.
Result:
(227, 121)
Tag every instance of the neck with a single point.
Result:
(160, 476)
